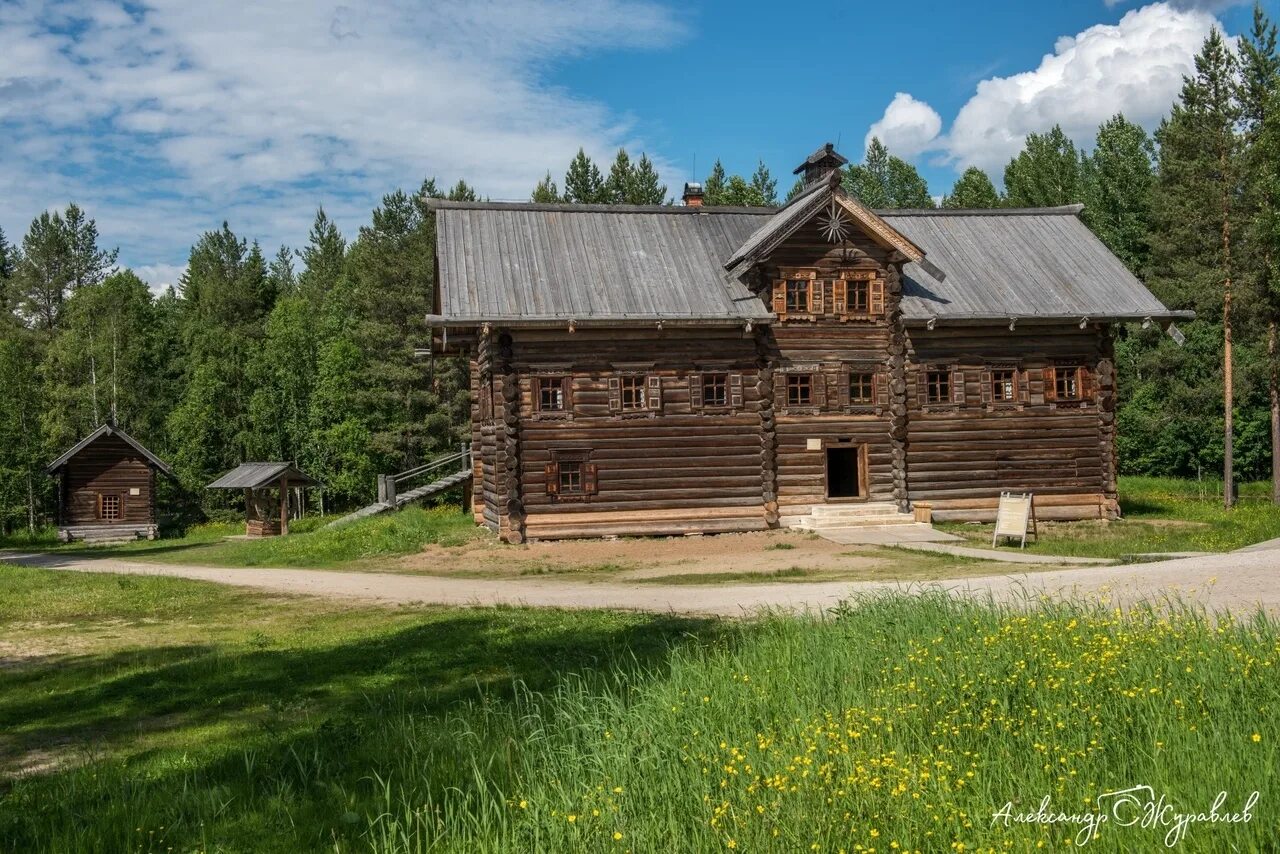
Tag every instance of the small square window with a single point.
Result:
(1066, 380)
(861, 387)
(715, 389)
(550, 394)
(632, 392)
(938, 386)
(797, 296)
(799, 390)
(571, 478)
(1004, 384)
(111, 508)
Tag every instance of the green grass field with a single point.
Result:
(309, 544)
(1159, 515)
(161, 715)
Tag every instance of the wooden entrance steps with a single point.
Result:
(401, 499)
(869, 514)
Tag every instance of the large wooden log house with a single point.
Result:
(661, 370)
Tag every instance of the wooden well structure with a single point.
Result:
(266, 488)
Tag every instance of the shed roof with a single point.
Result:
(260, 475)
(109, 430)
(617, 264)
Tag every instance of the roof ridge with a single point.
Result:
(569, 207)
(1058, 210)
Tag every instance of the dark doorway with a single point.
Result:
(844, 475)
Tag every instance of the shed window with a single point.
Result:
(1066, 382)
(632, 392)
(110, 508)
(862, 387)
(715, 389)
(938, 386)
(549, 394)
(799, 390)
(797, 296)
(1004, 384)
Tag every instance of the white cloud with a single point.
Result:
(162, 120)
(907, 127)
(160, 276)
(1207, 5)
(1135, 66)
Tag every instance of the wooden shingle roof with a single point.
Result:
(530, 264)
(262, 475)
(109, 430)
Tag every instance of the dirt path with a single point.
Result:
(1239, 581)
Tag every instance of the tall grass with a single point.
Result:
(895, 724)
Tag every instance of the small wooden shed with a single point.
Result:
(266, 494)
(107, 488)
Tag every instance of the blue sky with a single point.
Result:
(165, 117)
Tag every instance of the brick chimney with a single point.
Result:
(692, 195)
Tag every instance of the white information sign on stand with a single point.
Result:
(1015, 517)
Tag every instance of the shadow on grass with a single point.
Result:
(319, 701)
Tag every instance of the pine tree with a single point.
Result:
(22, 485)
(281, 271)
(462, 192)
(1118, 177)
(796, 189)
(713, 188)
(907, 187)
(1193, 209)
(6, 258)
(618, 186)
(973, 190)
(868, 182)
(884, 181)
(1259, 103)
(646, 187)
(323, 259)
(583, 183)
(546, 192)
(765, 185)
(740, 193)
(1046, 173)
(59, 253)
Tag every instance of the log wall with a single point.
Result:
(108, 466)
(962, 455)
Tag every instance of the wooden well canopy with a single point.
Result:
(266, 515)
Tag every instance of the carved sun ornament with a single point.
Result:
(834, 224)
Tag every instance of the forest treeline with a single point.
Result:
(315, 354)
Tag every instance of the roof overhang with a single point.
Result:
(109, 430)
(437, 320)
(1163, 318)
(263, 476)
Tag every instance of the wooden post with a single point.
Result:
(284, 506)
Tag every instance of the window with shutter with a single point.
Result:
(695, 391)
(816, 301)
(957, 387)
(882, 388)
(632, 394)
(937, 386)
(590, 478)
(877, 297)
(735, 391)
(615, 394)
(571, 475)
(798, 296)
(799, 390)
(861, 388)
(819, 382)
(840, 298)
(715, 389)
(654, 397)
(859, 296)
(780, 299)
(551, 471)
